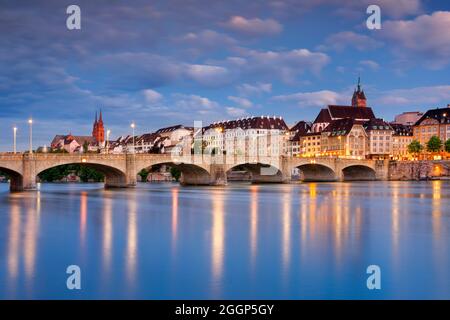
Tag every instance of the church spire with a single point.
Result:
(98, 131)
(359, 98)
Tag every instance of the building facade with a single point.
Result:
(435, 122)
(79, 144)
(402, 136)
(251, 136)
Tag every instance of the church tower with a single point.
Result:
(359, 98)
(98, 130)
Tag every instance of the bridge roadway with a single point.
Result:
(121, 170)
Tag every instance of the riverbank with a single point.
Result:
(419, 170)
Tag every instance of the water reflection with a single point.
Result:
(107, 224)
(131, 250)
(31, 233)
(310, 240)
(83, 217)
(253, 225)
(174, 219)
(218, 237)
(14, 241)
(286, 235)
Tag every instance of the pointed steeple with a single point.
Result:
(95, 117)
(101, 119)
(359, 98)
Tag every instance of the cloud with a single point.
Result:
(152, 96)
(254, 27)
(252, 89)
(236, 112)
(206, 41)
(207, 75)
(194, 102)
(313, 99)
(369, 64)
(242, 102)
(286, 65)
(431, 96)
(349, 39)
(426, 37)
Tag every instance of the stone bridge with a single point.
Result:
(121, 170)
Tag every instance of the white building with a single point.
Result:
(251, 136)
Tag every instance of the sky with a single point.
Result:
(161, 63)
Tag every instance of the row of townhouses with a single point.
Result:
(351, 131)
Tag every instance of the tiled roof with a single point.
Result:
(262, 122)
(401, 129)
(301, 126)
(377, 124)
(170, 129)
(358, 113)
(147, 138)
(81, 140)
(442, 115)
(341, 127)
(323, 117)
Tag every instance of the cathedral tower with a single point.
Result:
(359, 98)
(98, 130)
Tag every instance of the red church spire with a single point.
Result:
(98, 131)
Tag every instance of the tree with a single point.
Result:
(434, 144)
(85, 147)
(144, 174)
(176, 173)
(415, 147)
(447, 145)
(87, 174)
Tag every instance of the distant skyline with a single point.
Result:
(162, 63)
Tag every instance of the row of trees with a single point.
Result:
(433, 145)
(174, 171)
(86, 174)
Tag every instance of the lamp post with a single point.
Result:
(14, 139)
(30, 122)
(340, 144)
(107, 140)
(133, 125)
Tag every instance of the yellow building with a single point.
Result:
(435, 122)
(401, 138)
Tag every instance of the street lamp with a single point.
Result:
(133, 125)
(14, 139)
(107, 140)
(30, 122)
(340, 144)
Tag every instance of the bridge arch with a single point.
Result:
(191, 174)
(358, 172)
(259, 172)
(15, 179)
(114, 177)
(316, 172)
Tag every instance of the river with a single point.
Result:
(289, 241)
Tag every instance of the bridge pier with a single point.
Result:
(218, 175)
(29, 173)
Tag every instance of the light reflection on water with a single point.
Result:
(241, 241)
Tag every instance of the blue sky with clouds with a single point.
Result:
(175, 61)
